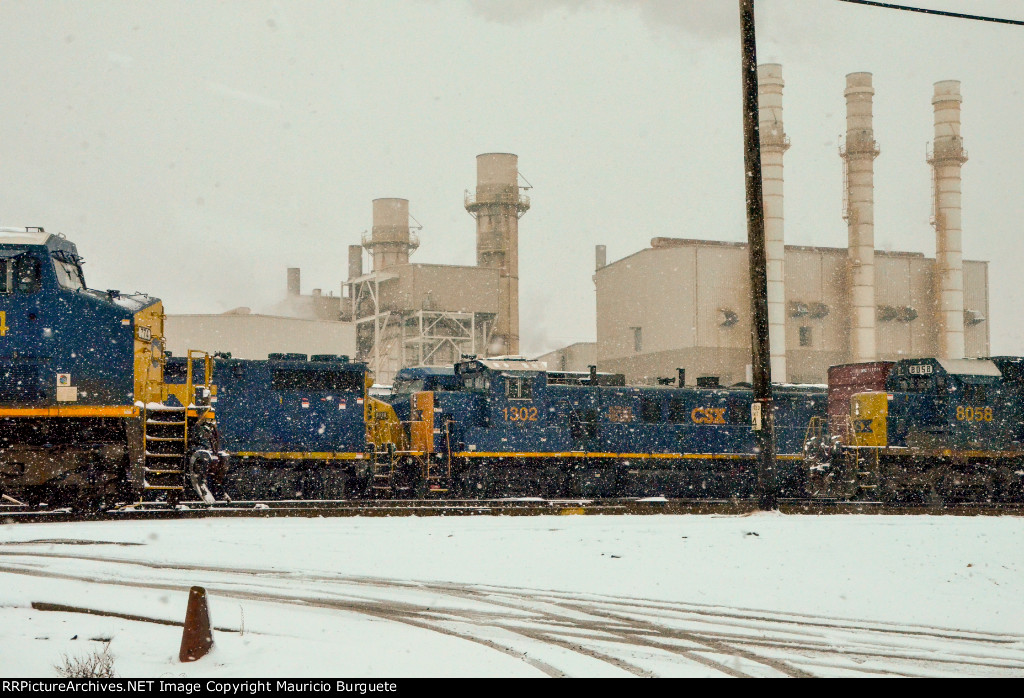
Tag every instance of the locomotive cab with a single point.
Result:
(946, 403)
(75, 366)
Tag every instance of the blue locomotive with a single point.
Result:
(294, 429)
(81, 384)
(506, 430)
(927, 429)
(93, 411)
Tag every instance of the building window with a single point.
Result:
(805, 336)
(638, 339)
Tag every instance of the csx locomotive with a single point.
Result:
(94, 411)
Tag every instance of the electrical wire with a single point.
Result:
(943, 13)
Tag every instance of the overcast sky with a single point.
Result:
(194, 150)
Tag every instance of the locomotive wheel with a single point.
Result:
(197, 473)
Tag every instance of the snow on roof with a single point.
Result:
(503, 363)
(970, 367)
(20, 236)
(133, 302)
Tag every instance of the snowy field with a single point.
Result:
(757, 595)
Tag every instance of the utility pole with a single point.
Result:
(762, 419)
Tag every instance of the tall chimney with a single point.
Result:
(773, 144)
(947, 157)
(600, 257)
(497, 207)
(355, 261)
(293, 281)
(389, 242)
(859, 155)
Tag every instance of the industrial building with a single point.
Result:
(686, 303)
(430, 314)
(575, 357)
(397, 313)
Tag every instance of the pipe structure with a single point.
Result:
(600, 257)
(947, 157)
(497, 208)
(859, 153)
(294, 281)
(389, 241)
(355, 261)
(774, 144)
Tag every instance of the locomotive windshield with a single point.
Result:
(69, 271)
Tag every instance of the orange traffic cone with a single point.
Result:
(197, 637)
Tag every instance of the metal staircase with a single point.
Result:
(165, 434)
(382, 480)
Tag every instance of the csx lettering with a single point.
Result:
(708, 415)
(974, 414)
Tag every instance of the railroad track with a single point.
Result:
(10, 513)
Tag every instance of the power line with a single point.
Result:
(924, 10)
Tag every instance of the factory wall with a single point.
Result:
(686, 304)
(575, 357)
(255, 336)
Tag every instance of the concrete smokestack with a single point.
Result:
(497, 207)
(600, 257)
(773, 145)
(947, 157)
(859, 155)
(389, 241)
(355, 261)
(294, 276)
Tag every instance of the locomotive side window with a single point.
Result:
(650, 409)
(19, 274)
(26, 274)
(69, 274)
(6, 276)
(518, 388)
(299, 379)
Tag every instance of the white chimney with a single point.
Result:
(947, 157)
(773, 144)
(859, 153)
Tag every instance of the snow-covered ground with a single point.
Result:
(762, 595)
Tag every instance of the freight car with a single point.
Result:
(85, 415)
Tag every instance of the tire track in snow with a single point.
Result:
(600, 619)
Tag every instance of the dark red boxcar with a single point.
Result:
(846, 380)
